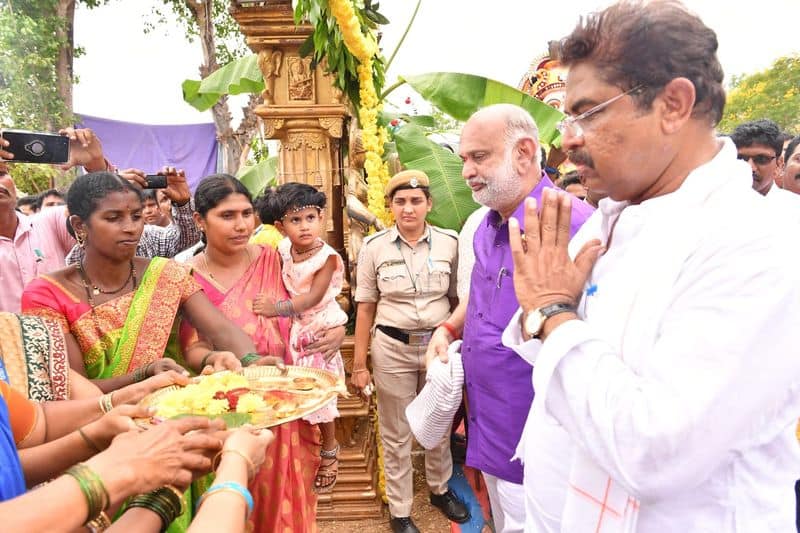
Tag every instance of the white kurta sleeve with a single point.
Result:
(721, 375)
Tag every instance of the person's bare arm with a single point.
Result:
(225, 510)
(212, 325)
(48, 460)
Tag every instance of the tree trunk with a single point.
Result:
(65, 10)
(231, 142)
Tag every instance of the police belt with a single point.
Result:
(415, 337)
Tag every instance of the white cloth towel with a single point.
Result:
(431, 412)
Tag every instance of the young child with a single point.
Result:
(313, 275)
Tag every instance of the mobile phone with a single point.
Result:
(155, 181)
(36, 147)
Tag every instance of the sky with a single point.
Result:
(132, 76)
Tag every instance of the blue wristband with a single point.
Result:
(231, 486)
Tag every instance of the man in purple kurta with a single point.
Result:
(500, 150)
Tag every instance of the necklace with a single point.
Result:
(307, 251)
(97, 290)
(208, 270)
(94, 291)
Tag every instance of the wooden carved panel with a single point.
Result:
(301, 79)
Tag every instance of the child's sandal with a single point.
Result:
(328, 471)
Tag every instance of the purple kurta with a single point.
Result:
(498, 381)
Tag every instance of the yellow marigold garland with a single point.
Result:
(364, 48)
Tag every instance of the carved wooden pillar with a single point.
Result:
(306, 113)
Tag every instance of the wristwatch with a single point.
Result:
(533, 323)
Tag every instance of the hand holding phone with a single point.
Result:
(36, 147)
(155, 181)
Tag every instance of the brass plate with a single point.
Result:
(326, 386)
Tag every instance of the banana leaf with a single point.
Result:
(259, 176)
(452, 198)
(460, 95)
(237, 77)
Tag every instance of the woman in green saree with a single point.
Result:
(122, 310)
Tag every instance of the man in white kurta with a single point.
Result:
(666, 364)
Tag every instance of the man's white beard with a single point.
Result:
(500, 188)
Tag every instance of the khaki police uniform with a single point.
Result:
(412, 287)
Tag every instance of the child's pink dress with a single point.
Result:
(326, 314)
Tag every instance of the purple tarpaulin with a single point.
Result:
(192, 147)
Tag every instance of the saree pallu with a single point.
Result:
(124, 333)
(35, 356)
(283, 487)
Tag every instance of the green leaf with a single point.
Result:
(237, 77)
(307, 47)
(192, 96)
(259, 176)
(460, 95)
(426, 121)
(452, 198)
(375, 17)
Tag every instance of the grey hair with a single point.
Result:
(519, 125)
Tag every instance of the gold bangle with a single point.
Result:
(251, 467)
(100, 523)
(359, 370)
(106, 402)
(179, 495)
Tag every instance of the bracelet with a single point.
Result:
(249, 359)
(450, 329)
(93, 489)
(229, 486)
(251, 468)
(106, 402)
(359, 370)
(89, 442)
(167, 502)
(205, 358)
(101, 523)
(140, 374)
(285, 308)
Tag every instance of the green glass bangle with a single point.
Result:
(249, 359)
(93, 489)
(165, 502)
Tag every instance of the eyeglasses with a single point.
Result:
(571, 124)
(759, 159)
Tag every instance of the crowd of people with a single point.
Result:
(625, 331)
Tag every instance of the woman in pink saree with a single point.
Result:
(232, 272)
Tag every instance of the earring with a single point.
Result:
(81, 238)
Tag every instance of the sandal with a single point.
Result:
(328, 471)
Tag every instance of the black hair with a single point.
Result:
(149, 194)
(276, 202)
(762, 131)
(41, 196)
(790, 149)
(213, 189)
(87, 191)
(30, 200)
(636, 43)
(570, 178)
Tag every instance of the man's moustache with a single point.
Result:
(580, 158)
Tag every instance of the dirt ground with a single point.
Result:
(427, 517)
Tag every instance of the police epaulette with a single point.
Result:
(445, 231)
